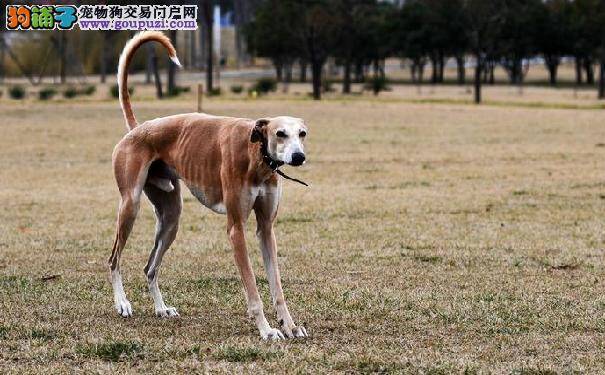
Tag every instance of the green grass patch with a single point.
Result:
(14, 283)
(4, 330)
(249, 354)
(41, 334)
(112, 351)
(427, 259)
(295, 219)
(532, 371)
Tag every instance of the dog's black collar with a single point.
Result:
(272, 163)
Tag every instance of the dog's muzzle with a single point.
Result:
(298, 158)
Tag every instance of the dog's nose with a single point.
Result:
(298, 158)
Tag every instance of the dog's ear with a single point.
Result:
(258, 132)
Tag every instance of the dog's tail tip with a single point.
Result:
(176, 61)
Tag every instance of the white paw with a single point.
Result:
(272, 334)
(295, 332)
(167, 312)
(124, 308)
(300, 332)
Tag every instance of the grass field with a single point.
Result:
(434, 238)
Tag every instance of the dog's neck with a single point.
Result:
(259, 169)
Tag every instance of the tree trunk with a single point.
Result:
(2, 57)
(478, 69)
(149, 65)
(492, 68)
(208, 18)
(359, 77)
(103, 62)
(278, 71)
(62, 56)
(589, 71)
(602, 80)
(202, 46)
(303, 71)
(289, 72)
(192, 49)
(209, 60)
(435, 70)
(2, 49)
(171, 89)
(413, 70)
(346, 82)
(441, 67)
(553, 68)
(461, 69)
(153, 59)
(316, 67)
(239, 46)
(578, 66)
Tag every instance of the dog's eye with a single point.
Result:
(302, 134)
(281, 134)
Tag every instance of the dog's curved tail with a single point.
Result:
(125, 59)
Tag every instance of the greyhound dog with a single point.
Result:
(229, 164)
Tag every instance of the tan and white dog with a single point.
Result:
(228, 163)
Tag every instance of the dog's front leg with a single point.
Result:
(255, 305)
(268, 246)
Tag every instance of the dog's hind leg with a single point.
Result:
(167, 206)
(130, 169)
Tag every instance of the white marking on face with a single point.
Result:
(286, 138)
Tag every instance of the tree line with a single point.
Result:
(482, 34)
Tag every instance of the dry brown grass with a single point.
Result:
(434, 239)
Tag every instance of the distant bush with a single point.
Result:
(377, 84)
(264, 86)
(47, 93)
(16, 92)
(70, 93)
(215, 92)
(88, 90)
(237, 89)
(178, 90)
(115, 91)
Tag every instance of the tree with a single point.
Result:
(207, 16)
(485, 23)
(598, 25)
(171, 89)
(411, 35)
(447, 22)
(276, 34)
(584, 33)
(319, 33)
(552, 36)
(286, 30)
(353, 35)
(518, 35)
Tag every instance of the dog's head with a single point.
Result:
(285, 138)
